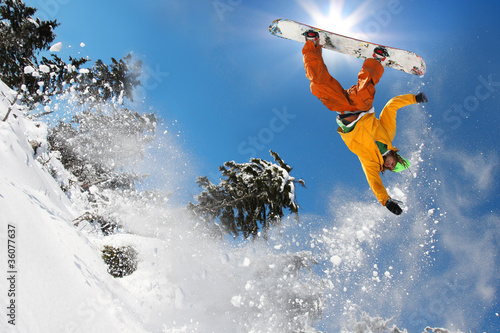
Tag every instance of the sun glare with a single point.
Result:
(331, 19)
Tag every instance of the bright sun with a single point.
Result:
(332, 19)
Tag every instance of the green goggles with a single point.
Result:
(400, 167)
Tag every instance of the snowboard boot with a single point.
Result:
(312, 36)
(380, 53)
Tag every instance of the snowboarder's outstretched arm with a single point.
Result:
(373, 177)
(372, 172)
(370, 166)
(388, 114)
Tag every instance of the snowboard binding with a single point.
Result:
(380, 53)
(312, 36)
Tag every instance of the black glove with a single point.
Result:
(421, 98)
(393, 206)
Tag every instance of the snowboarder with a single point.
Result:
(365, 135)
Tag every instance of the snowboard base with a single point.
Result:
(402, 60)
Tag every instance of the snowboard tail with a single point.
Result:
(402, 60)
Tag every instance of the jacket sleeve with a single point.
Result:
(372, 172)
(388, 114)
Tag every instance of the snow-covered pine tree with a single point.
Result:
(103, 136)
(98, 146)
(110, 82)
(250, 198)
(23, 37)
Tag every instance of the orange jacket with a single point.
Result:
(368, 129)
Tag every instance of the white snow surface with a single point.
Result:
(61, 282)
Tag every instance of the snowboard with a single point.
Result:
(402, 60)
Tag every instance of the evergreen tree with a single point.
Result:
(92, 86)
(115, 81)
(23, 37)
(97, 146)
(251, 196)
(100, 140)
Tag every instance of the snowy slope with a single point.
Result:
(61, 283)
(185, 281)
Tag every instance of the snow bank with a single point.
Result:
(60, 281)
(185, 281)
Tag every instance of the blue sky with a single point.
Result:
(220, 74)
(222, 79)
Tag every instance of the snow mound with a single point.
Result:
(61, 283)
